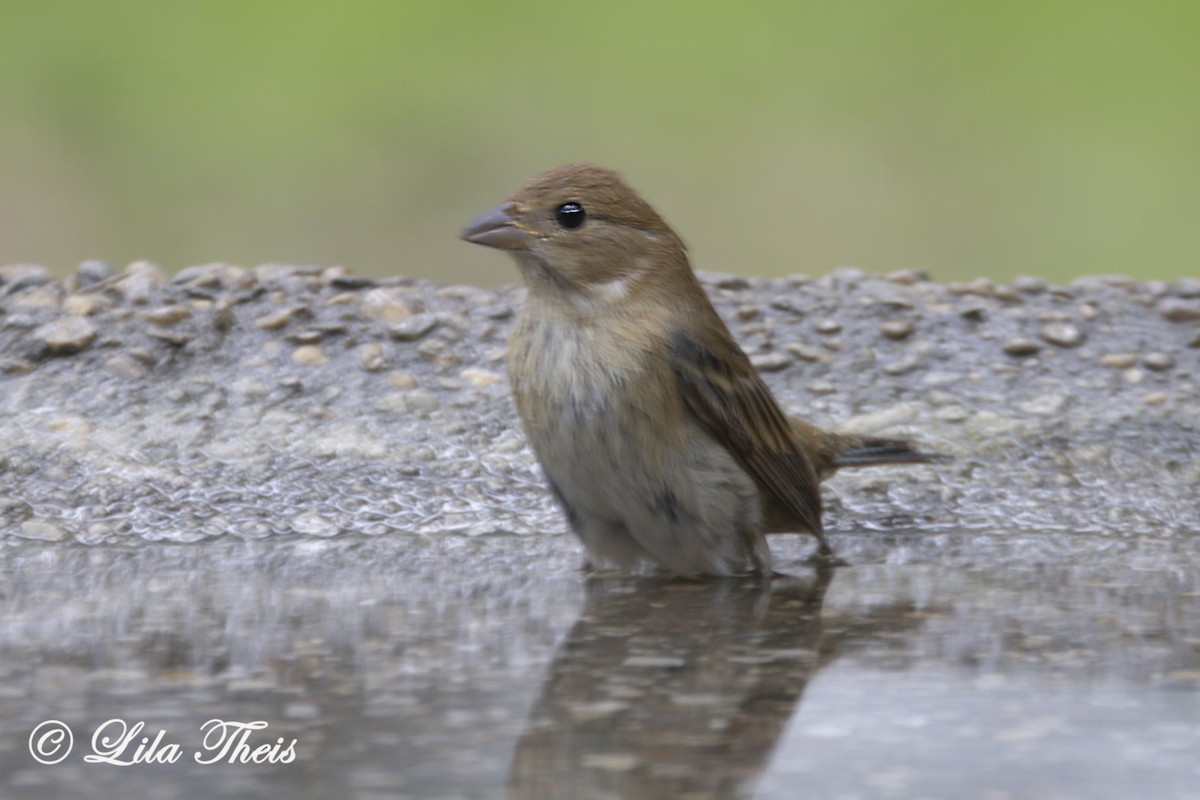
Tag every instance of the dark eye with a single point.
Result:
(571, 215)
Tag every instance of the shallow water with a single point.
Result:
(992, 664)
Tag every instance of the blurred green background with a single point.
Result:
(967, 139)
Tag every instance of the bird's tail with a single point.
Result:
(865, 451)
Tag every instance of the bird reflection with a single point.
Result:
(669, 688)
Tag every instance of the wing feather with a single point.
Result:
(730, 400)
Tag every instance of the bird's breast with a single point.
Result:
(605, 416)
(588, 386)
(569, 369)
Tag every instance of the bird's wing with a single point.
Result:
(727, 397)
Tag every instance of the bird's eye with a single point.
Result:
(571, 215)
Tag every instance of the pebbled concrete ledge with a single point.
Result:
(251, 403)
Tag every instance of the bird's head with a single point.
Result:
(579, 229)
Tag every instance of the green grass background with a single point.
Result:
(964, 138)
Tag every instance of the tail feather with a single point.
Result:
(872, 451)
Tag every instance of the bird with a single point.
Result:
(660, 442)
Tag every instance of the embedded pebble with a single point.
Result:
(139, 281)
(71, 426)
(413, 328)
(1089, 284)
(1008, 294)
(1155, 398)
(1187, 287)
(787, 304)
(407, 402)
(746, 313)
(308, 336)
(66, 335)
(342, 277)
(1021, 347)
(881, 419)
(42, 296)
(141, 354)
(827, 326)
(13, 509)
(1177, 310)
(895, 300)
(940, 378)
(401, 380)
(1119, 360)
(770, 362)
(278, 319)
(990, 424)
(724, 281)
(385, 305)
(973, 312)
(172, 336)
(1063, 334)
(125, 366)
(93, 272)
(908, 277)
(18, 321)
(903, 365)
(41, 531)
(951, 414)
(1027, 284)
(984, 287)
(249, 387)
(1158, 362)
(371, 357)
(166, 315)
(82, 305)
(221, 314)
(311, 523)
(309, 355)
(496, 310)
(329, 328)
(199, 276)
(479, 378)
(1044, 405)
(471, 294)
(16, 277)
(235, 277)
(896, 329)
(806, 353)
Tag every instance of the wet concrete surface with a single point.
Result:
(1020, 665)
(296, 497)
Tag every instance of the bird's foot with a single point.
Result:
(825, 557)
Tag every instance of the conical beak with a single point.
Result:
(499, 228)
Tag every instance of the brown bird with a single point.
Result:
(660, 441)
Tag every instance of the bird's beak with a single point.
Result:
(500, 228)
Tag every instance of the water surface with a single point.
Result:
(937, 665)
